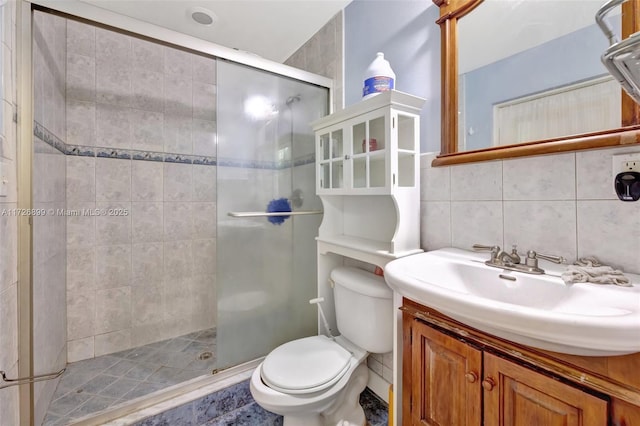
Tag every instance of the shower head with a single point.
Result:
(622, 58)
(292, 99)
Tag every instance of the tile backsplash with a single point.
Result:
(561, 204)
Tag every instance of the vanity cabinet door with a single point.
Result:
(445, 388)
(517, 396)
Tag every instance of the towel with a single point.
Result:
(590, 270)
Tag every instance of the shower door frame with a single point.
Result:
(24, 152)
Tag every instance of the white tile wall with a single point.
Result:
(479, 181)
(550, 177)
(49, 194)
(323, 54)
(560, 204)
(123, 271)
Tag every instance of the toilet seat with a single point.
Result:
(306, 365)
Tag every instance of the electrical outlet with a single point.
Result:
(625, 163)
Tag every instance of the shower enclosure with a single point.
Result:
(147, 270)
(266, 268)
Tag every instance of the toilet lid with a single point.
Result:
(305, 365)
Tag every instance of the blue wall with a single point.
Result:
(406, 32)
(567, 59)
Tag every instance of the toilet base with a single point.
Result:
(344, 411)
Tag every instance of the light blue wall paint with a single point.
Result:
(567, 59)
(406, 32)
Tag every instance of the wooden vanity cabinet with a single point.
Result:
(518, 396)
(452, 380)
(445, 385)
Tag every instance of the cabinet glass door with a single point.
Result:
(358, 147)
(407, 138)
(331, 165)
(337, 156)
(369, 155)
(324, 165)
(376, 151)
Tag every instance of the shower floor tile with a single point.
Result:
(92, 385)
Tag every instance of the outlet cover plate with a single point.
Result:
(619, 160)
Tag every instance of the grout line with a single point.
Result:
(575, 201)
(504, 243)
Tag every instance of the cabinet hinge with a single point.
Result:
(394, 178)
(393, 123)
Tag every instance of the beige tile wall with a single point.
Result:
(8, 223)
(147, 275)
(561, 204)
(323, 54)
(49, 231)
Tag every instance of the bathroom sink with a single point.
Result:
(536, 310)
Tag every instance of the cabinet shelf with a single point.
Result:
(341, 244)
(368, 176)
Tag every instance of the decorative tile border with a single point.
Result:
(252, 164)
(113, 153)
(304, 160)
(79, 150)
(49, 138)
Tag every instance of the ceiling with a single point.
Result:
(273, 29)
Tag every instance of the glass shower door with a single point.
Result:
(266, 266)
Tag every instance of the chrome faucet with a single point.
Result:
(511, 261)
(498, 256)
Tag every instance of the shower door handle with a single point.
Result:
(264, 214)
(32, 379)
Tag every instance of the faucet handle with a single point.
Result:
(481, 247)
(534, 256)
(495, 250)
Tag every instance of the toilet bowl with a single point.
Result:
(317, 380)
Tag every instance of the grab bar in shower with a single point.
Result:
(31, 379)
(264, 214)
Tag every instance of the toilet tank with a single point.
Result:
(364, 309)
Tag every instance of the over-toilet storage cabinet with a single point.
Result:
(367, 165)
(455, 375)
(370, 190)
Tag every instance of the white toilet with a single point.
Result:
(317, 381)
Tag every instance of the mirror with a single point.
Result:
(524, 77)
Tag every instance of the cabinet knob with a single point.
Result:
(488, 384)
(471, 377)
